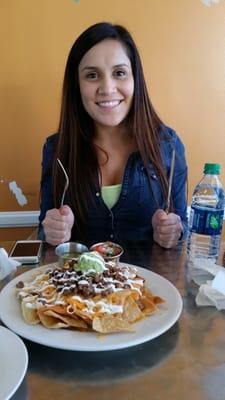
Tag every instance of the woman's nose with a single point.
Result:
(107, 86)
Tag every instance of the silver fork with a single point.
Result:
(66, 183)
(167, 209)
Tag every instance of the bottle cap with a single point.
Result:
(213, 169)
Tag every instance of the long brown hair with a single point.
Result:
(76, 128)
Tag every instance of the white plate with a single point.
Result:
(13, 364)
(145, 330)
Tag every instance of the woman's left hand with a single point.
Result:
(167, 228)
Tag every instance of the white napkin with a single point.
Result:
(7, 264)
(203, 270)
(211, 278)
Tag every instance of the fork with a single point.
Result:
(66, 183)
(170, 182)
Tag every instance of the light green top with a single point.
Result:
(110, 194)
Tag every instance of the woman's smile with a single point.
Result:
(109, 104)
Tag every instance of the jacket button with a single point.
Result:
(97, 194)
(111, 236)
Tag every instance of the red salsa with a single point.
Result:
(108, 249)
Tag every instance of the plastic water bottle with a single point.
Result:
(206, 216)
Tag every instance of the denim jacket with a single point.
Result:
(130, 218)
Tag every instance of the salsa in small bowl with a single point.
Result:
(108, 250)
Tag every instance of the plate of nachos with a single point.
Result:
(90, 305)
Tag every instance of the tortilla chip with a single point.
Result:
(29, 311)
(70, 321)
(117, 298)
(132, 312)
(76, 304)
(147, 305)
(109, 324)
(154, 299)
(85, 316)
(49, 291)
(158, 300)
(59, 309)
(51, 322)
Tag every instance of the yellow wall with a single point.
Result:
(183, 50)
(13, 234)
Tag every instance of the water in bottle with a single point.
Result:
(206, 216)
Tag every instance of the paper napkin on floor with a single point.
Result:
(7, 264)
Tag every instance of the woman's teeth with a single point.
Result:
(113, 103)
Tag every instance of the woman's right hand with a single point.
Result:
(58, 224)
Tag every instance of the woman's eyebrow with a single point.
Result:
(89, 67)
(121, 65)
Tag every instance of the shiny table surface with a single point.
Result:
(186, 362)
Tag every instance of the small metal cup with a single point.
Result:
(64, 252)
(109, 258)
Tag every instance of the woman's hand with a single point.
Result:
(58, 224)
(167, 228)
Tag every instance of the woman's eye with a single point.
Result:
(120, 73)
(92, 75)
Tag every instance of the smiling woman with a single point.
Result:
(109, 137)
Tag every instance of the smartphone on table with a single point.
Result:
(27, 251)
